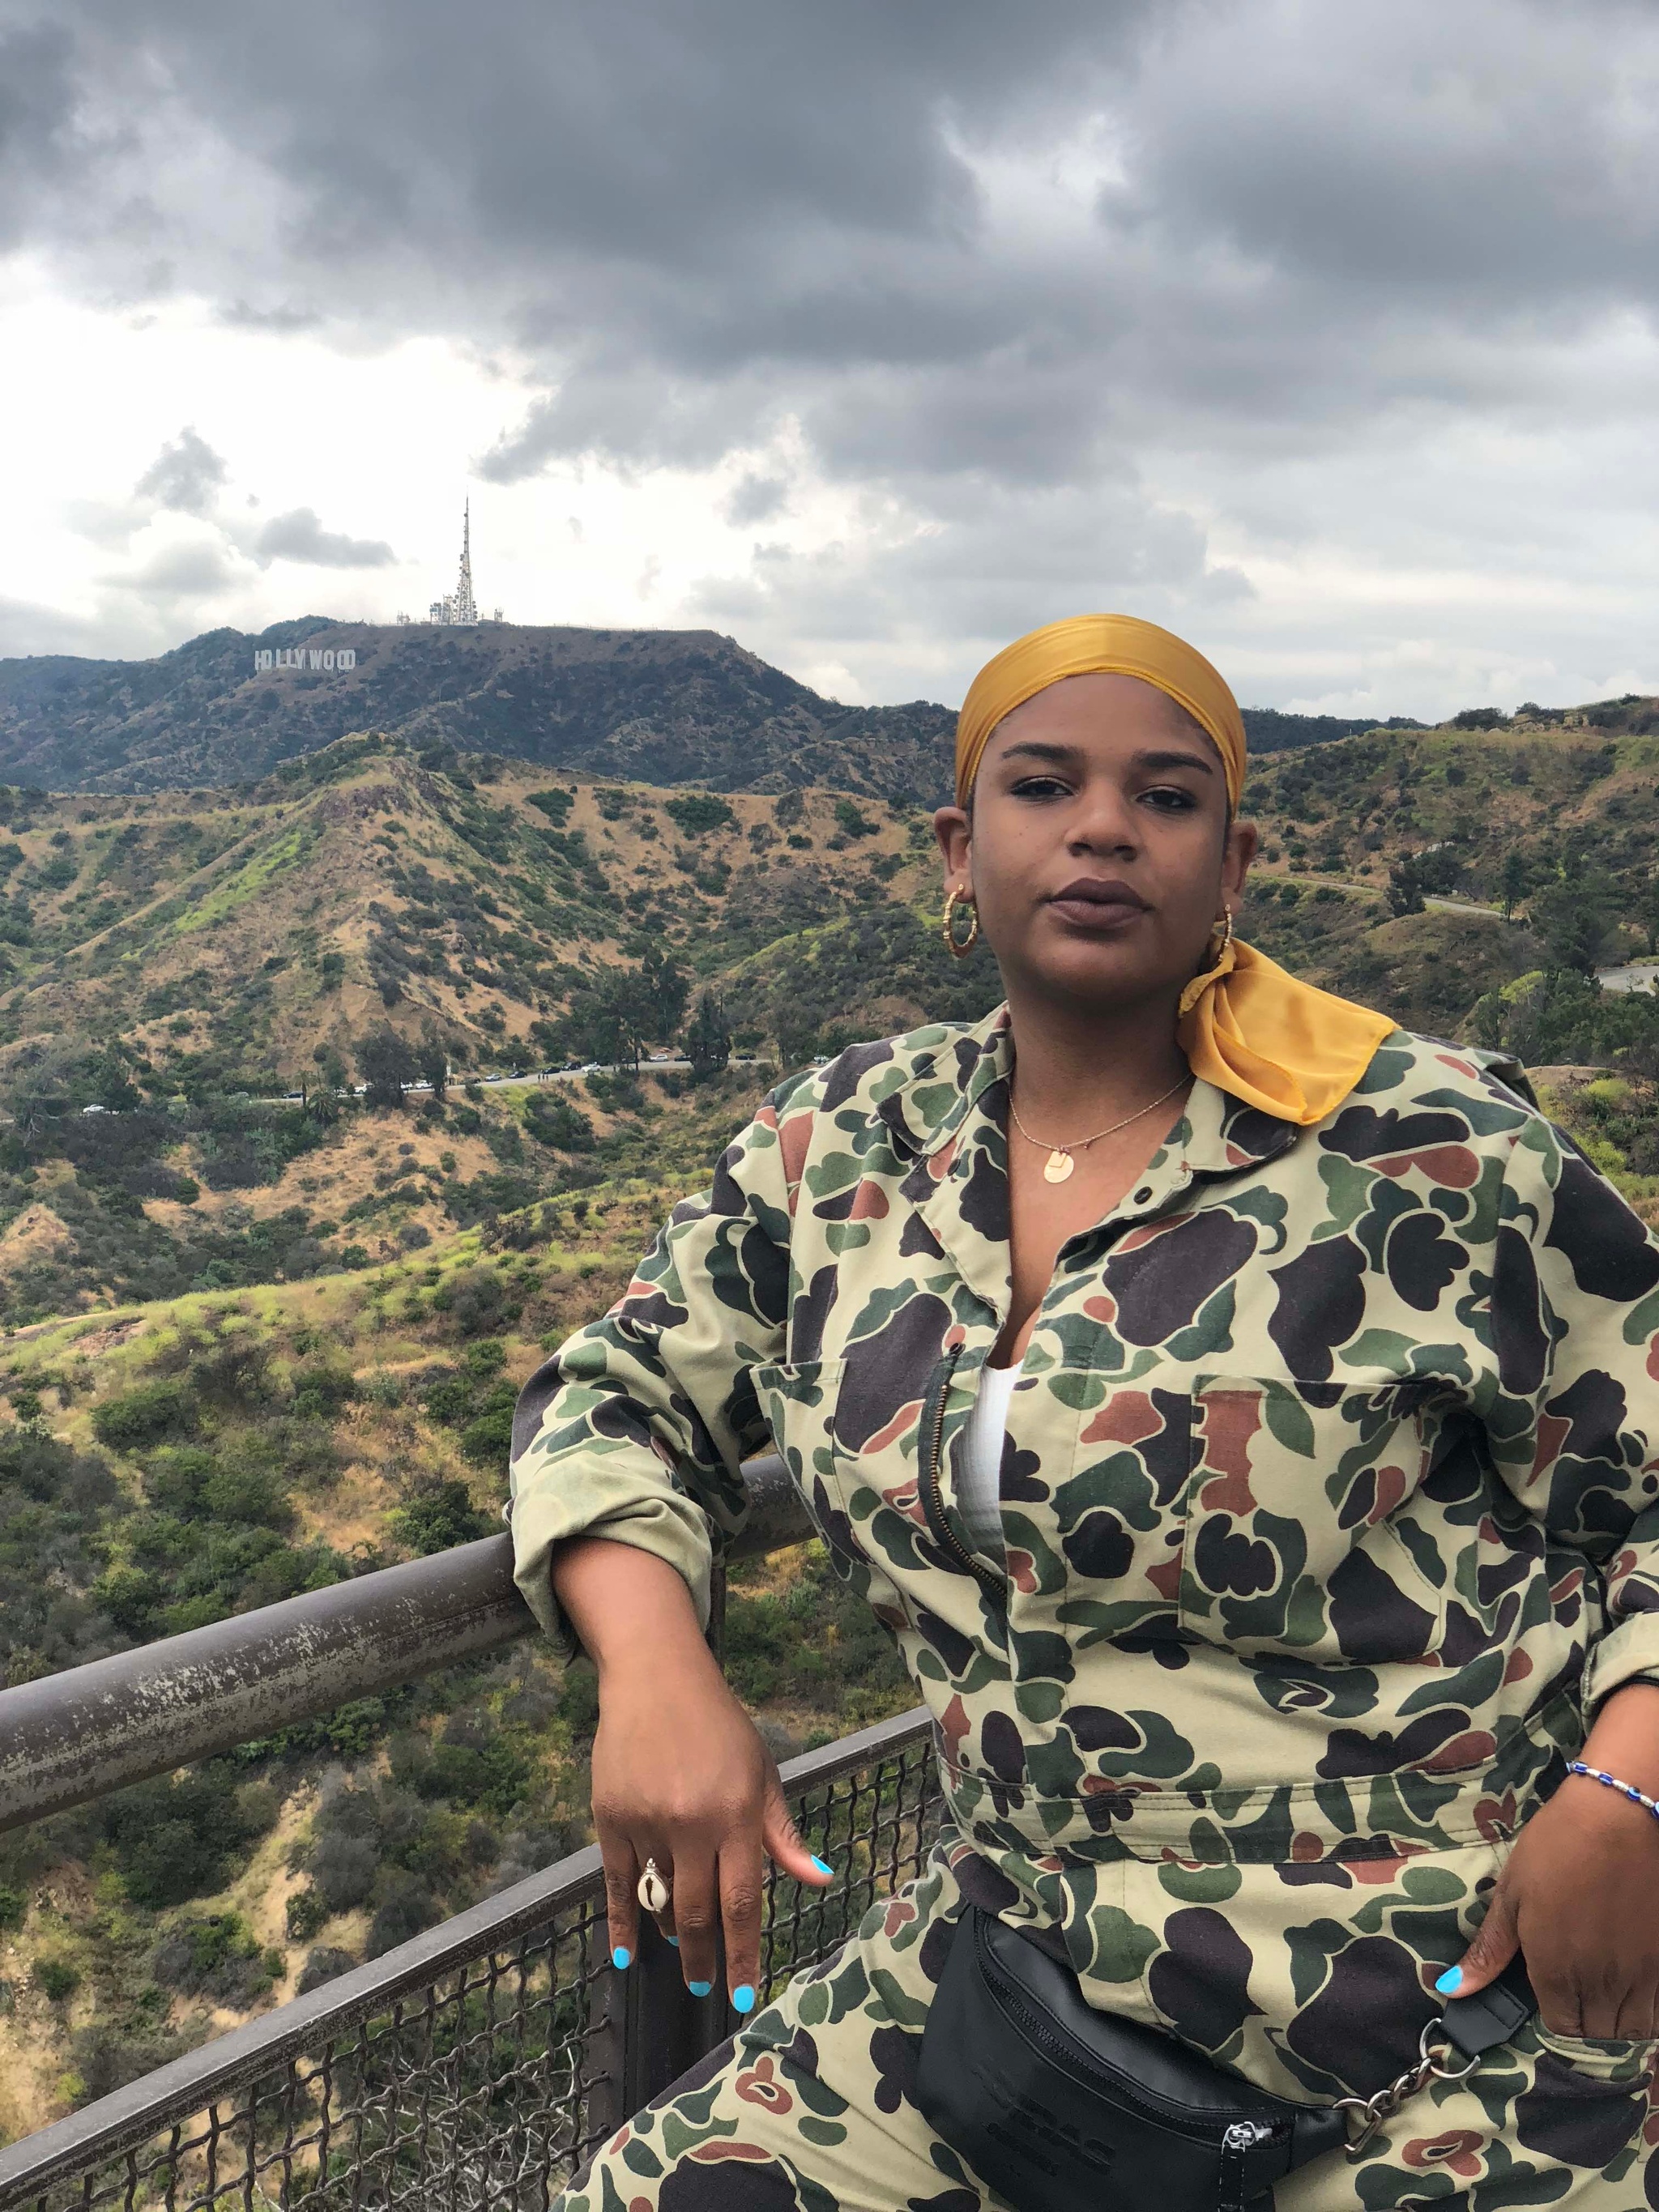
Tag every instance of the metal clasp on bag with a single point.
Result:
(1372, 2112)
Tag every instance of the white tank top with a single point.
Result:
(979, 1461)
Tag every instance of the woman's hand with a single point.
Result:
(680, 1773)
(1579, 1895)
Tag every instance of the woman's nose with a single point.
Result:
(1104, 823)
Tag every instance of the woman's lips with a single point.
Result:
(1098, 904)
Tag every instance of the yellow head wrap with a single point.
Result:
(1245, 1024)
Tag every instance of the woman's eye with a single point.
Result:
(1170, 798)
(1040, 786)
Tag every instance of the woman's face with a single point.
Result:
(1098, 851)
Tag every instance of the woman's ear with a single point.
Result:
(1242, 840)
(954, 832)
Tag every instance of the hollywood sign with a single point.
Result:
(304, 656)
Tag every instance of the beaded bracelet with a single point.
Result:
(1612, 1781)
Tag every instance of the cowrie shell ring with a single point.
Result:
(653, 1891)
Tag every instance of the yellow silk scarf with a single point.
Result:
(1245, 1024)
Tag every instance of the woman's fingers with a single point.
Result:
(782, 1840)
(697, 1918)
(742, 1887)
(1496, 1942)
(622, 1903)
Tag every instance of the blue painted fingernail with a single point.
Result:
(743, 1999)
(675, 1940)
(699, 1988)
(1451, 1981)
(823, 1865)
(619, 1959)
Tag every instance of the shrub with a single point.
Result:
(305, 1914)
(342, 1869)
(174, 1838)
(489, 1439)
(106, 2058)
(449, 1398)
(437, 1517)
(323, 1964)
(216, 1958)
(578, 1699)
(13, 1907)
(145, 1415)
(478, 1301)
(247, 1494)
(56, 1979)
(130, 1597)
(698, 812)
(406, 1907)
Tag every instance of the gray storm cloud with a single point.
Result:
(185, 475)
(299, 536)
(1149, 290)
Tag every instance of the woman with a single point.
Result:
(1242, 1413)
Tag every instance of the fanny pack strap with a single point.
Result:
(1471, 2027)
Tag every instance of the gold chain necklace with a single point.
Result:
(1060, 1162)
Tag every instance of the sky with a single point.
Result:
(870, 335)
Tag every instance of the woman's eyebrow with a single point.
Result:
(1034, 749)
(1175, 760)
(1060, 755)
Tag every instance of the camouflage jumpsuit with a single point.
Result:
(1330, 1500)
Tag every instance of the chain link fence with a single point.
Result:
(481, 2064)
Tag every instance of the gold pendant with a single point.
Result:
(1057, 1167)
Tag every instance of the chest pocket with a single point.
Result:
(1300, 1529)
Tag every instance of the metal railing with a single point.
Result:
(69, 1738)
(478, 2065)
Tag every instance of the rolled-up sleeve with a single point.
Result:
(635, 1428)
(1574, 1423)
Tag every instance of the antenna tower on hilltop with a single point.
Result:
(466, 612)
(460, 609)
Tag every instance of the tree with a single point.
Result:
(619, 1017)
(433, 1061)
(1571, 916)
(1512, 885)
(1405, 888)
(667, 988)
(385, 1065)
(707, 1040)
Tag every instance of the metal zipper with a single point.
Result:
(933, 1499)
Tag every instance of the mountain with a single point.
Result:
(661, 706)
(664, 707)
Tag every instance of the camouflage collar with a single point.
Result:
(928, 1103)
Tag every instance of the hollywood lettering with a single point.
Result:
(303, 656)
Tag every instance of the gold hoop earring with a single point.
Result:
(960, 947)
(1226, 936)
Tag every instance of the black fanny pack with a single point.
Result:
(1059, 2106)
